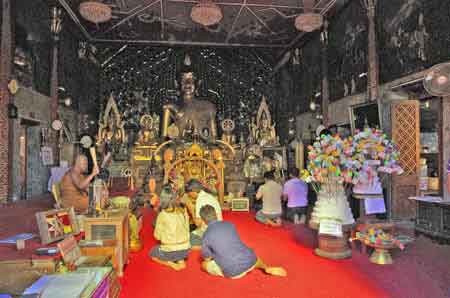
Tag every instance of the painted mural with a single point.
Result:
(347, 54)
(413, 35)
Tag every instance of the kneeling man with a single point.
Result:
(223, 251)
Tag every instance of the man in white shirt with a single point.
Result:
(270, 193)
(199, 197)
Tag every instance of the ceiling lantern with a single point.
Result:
(308, 21)
(95, 11)
(206, 13)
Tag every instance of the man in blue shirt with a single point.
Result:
(223, 251)
(295, 191)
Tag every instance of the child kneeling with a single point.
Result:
(172, 230)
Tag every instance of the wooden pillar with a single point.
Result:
(445, 144)
(54, 83)
(372, 54)
(325, 84)
(55, 28)
(6, 56)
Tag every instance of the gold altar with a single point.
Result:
(186, 145)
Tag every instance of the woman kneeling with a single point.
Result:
(172, 229)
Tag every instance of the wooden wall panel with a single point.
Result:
(406, 135)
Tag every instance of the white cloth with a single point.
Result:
(56, 174)
(204, 199)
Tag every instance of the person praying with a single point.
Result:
(270, 194)
(295, 191)
(172, 230)
(224, 254)
(198, 197)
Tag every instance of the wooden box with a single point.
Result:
(111, 226)
(72, 256)
(240, 204)
(107, 248)
(56, 224)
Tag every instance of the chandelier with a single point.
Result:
(308, 21)
(95, 11)
(206, 13)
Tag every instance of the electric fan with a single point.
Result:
(437, 80)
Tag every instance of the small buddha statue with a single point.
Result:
(253, 131)
(146, 135)
(266, 134)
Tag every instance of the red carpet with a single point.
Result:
(309, 276)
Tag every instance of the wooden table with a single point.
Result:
(433, 218)
(111, 225)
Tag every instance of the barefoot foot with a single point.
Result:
(278, 271)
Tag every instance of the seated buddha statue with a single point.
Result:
(147, 134)
(199, 114)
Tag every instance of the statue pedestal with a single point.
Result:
(332, 203)
(332, 247)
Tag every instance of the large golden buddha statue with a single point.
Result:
(195, 116)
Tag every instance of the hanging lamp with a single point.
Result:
(206, 13)
(95, 11)
(308, 21)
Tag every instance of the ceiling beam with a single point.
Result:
(139, 10)
(234, 22)
(185, 43)
(300, 7)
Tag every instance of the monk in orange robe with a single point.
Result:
(74, 185)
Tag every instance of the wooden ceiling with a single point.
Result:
(245, 23)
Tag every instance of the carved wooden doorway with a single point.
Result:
(406, 135)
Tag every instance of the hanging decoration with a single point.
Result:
(206, 13)
(308, 21)
(95, 11)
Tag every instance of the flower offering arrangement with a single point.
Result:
(354, 160)
(329, 158)
(373, 152)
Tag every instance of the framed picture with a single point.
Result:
(366, 114)
(47, 156)
(240, 204)
(56, 224)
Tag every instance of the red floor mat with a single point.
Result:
(308, 275)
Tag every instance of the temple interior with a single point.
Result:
(203, 148)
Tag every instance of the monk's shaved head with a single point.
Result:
(81, 163)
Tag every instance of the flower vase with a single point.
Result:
(332, 204)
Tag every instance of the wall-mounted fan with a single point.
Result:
(437, 80)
